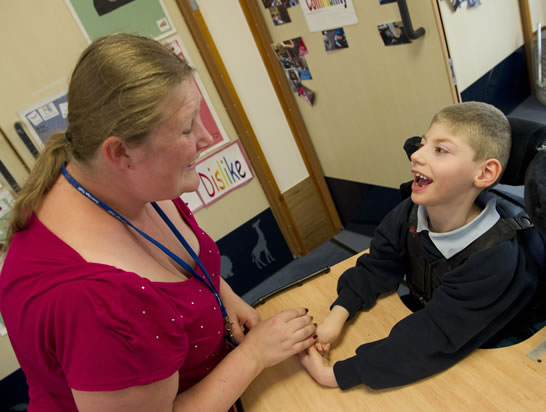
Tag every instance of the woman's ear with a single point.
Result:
(490, 172)
(114, 150)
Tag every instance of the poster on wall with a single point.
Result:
(219, 174)
(327, 15)
(222, 172)
(100, 17)
(46, 117)
(209, 117)
(192, 200)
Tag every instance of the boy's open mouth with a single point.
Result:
(421, 180)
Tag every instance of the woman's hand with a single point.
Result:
(315, 360)
(240, 313)
(331, 327)
(274, 339)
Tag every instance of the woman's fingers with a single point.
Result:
(305, 344)
(290, 314)
(237, 332)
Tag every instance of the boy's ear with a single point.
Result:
(490, 171)
(115, 151)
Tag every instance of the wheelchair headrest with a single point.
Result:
(526, 165)
(527, 138)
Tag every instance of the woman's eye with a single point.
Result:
(186, 132)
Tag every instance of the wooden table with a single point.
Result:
(504, 379)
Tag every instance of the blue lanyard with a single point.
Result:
(206, 279)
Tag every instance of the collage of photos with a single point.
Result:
(279, 10)
(334, 39)
(291, 54)
(393, 33)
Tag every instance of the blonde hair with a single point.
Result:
(117, 88)
(486, 127)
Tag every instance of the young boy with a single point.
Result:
(467, 273)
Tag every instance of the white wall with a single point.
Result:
(231, 34)
(538, 12)
(481, 37)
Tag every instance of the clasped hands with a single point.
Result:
(290, 332)
(315, 358)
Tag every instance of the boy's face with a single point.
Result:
(443, 168)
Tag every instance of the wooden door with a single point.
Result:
(368, 97)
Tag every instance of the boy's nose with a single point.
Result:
(417, 156)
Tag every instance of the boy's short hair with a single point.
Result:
(485, 126)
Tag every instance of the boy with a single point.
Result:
(467, 273)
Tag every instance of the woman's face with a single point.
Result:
(165, 164)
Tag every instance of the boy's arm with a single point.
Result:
(473, 303)
(379, 271)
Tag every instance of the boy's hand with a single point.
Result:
(318, 366)
(330, 329)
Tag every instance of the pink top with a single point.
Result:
(93, 327)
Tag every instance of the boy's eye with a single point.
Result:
(440, 150)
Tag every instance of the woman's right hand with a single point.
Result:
(331, 327)
(274, 339)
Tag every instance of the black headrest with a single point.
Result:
(535, 190)
(527, 138)
(526, 165)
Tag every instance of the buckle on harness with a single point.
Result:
(520, 222)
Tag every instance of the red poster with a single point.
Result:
(210, 120)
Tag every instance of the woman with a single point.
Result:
(110, 291)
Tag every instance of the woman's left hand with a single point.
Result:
(240, 313)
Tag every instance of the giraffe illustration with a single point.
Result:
(226, 267)
(261, 246)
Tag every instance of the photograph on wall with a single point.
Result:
(306, 94)
(327, 15)
(334, 39)
(100, 17)
(279, 15)
(45, 117)
(286, 3)
(291, 54)
(393, 33)
(210, 119)
(464, 4)
(293, 79)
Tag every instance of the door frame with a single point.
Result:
(281, 209)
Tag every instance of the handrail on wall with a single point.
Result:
(406, 20)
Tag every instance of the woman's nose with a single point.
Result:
(204, 138)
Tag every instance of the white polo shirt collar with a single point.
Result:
(451, 243)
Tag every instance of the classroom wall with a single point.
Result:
(40, 43)
(538, 12)
(480, 38)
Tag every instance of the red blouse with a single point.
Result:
(94, 327)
